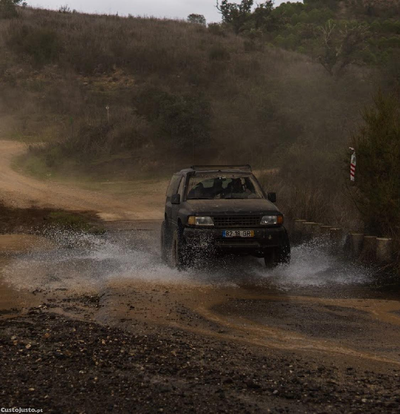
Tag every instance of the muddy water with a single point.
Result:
(318, 303)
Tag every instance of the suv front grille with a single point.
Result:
(237, 221)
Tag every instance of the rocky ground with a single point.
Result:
(63, 365)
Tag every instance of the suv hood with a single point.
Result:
(229, 206)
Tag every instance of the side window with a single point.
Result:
(182, 187)
(173, 185)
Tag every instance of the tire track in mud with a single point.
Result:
(208, 311)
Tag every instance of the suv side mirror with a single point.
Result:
(176, 199)
(272, 197)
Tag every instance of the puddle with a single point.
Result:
(22, 243)
(86, 263)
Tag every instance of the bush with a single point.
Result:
(8, 9)
(182, 120)
(40, 43)
(377, 187)
(219, 52)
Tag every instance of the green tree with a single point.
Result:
(183, 121)
(197, 19)
(377, 182)
(235, 15)
(340, 45)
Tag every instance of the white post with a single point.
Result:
(108, 114)
(353, 163)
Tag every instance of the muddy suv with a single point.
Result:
(223, 210)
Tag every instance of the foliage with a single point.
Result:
(336, 34)
(234, 14)
(197, 19)
(240, 16)
(64, 9)
(341, 46)
(171, 84)
(182, 120)
(8, 8)
(378, 167)
(40, 43)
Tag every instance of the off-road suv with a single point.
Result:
(221, 209)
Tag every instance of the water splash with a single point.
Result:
(313, 264)
(86, 263)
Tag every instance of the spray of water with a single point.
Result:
(86, 263)
(314, 264)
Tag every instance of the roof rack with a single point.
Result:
(245, 167)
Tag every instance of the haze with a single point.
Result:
(178, 9)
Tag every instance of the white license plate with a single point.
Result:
(238, 233)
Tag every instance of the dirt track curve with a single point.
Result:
(17, 190)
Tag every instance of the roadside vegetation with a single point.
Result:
(278, 87)
(34, 220)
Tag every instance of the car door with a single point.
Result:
(176, 207)
(172, 189)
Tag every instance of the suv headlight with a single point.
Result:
(271, 220)
(200, 221)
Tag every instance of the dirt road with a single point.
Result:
(98, 323)
(17, 190)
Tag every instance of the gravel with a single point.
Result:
(62, 365)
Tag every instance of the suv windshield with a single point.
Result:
(217, 186)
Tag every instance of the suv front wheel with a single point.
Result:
(179, 250)
(278, 255)
(165, 242)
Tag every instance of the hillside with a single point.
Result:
(335, 33)
(176, 93)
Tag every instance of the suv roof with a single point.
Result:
(218, 168)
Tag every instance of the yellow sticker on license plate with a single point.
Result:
(238, 233)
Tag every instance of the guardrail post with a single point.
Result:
(325, 231)
(298, 230)
(335, 236)
(356, 241)
(368, 252)
(384, 250)
(307, 226)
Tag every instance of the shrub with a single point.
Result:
(182, 120)
(40, 43)
(219, 52)
(378, 167)
(216, 29)
(8, 9)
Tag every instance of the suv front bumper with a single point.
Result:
(263, 240)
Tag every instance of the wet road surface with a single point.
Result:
(319, 310)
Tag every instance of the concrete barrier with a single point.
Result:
(357, 246)
(336, 235)
(368, 252)
(384, 250)
(298, 230)
(308, 229)
(356, 241)
(325, 232)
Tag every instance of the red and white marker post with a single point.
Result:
(353, 163)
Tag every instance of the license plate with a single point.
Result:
(238, 233)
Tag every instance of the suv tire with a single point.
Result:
(179, 256)
(278, 255)
(165, 242)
